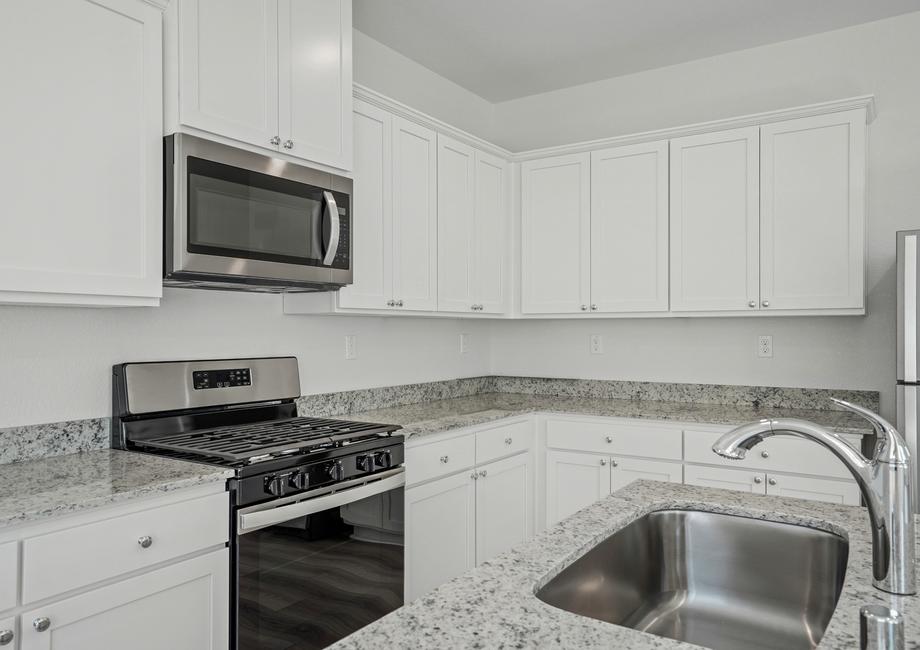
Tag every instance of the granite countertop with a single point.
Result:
(494, 606)
(427, 418)
(38, 489)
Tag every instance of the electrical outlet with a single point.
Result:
(596, 343)
(765, 346)
(351, 350)
(464, 343)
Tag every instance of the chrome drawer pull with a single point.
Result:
(444, 459)
(146, 541)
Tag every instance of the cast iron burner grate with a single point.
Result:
(269, 439)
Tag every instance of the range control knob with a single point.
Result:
(299, 480)
(275, 485)
(337, 471)
(383, 458)
(365, 463)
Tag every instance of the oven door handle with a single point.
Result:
(331, 223)
(250, 521)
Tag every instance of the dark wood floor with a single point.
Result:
(299, 594)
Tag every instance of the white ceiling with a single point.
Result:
(503, 49)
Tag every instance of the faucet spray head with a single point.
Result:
(737, 442)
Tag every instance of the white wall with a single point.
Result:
(55, 363)
(879, 58)
(393, 74)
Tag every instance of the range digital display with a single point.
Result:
(204, 379)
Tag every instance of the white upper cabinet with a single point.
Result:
(228, 57)
(555, 235)
(456, 226)
(472, 222)
(82, 155)
(629, 228)
(812, 212)
(315, 72)
(372, 232)
(714, 221)
(274, 74)
(414, 216)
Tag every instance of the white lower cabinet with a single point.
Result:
(182, 607)
(727, 479)
(8, 634)
(624, 471)
(815, 489)
(440, 532)
(504, 505)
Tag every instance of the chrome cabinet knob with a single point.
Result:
(399, 303)
(752, 304)
(275, 141)
(483, 473)
(288, 144)
(609, 439)
(765, 454)
(584, 307)
(444, 459)
(603, 462)
(508, 441)
(765, 303)
(758, 480)
(146, 541)
(593, 307)
(391, 303)
(41, 623)
(772, 481)
(6, 637)
(614, 463)
(474, 476)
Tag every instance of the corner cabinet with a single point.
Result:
(272, 74)
(82, 167)
(472, 226)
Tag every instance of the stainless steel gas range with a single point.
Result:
(317, 504)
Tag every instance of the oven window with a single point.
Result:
(238, 213)
(311, 581)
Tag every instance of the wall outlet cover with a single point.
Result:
(596, 344)
(351, 350)
(765, 347)
(464, 343)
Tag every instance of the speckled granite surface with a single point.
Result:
(494, 605)
(443, 415)
(38, 489)
(57, 438)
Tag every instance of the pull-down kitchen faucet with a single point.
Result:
(884, 482)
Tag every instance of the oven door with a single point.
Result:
(318, 567)
(238, 213)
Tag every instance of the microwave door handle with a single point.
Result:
(330, 228)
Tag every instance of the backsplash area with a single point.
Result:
(37, 441)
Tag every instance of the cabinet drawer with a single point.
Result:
(430, 460)
(776, 454)
(814, 489)
(726, 479)
(504, 440)
(9, 575)
(71, 558)
(649, 440)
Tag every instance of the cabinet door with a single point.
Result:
(82, 155)
(726, 479)
(574, 481)
(183, 606)
(7, 627)
(456, 207)
(228, 68)
(812, 212)
(815, 489)
(415, 206)
(629, 228)
(504, 507)
(490, 234)
(314, 66)
(555, 237)
(626, 470)
(440, 532)
(372, 227)
(714, 221)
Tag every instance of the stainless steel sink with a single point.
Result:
(715, 580)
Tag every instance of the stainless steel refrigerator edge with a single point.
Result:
(908, 385)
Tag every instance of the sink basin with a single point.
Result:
(716, 580)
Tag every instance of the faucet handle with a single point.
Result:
(891, 446)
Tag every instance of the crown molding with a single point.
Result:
(864, 101)
(370, 96)
(365, 94)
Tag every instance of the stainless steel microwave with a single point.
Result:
(244, 221)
